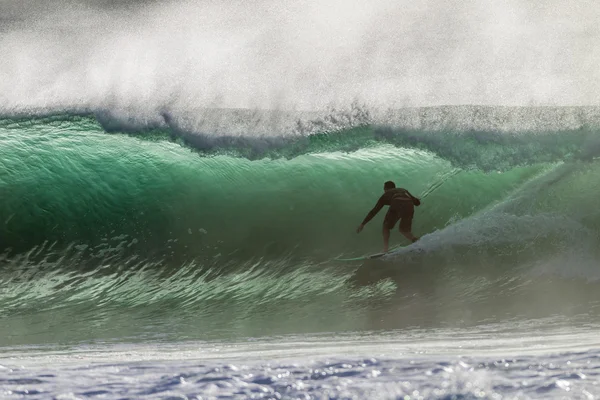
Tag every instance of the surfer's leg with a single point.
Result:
(386, 239)
(406, 225)
(391, 217)
(409, 236)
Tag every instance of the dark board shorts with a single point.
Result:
(400, 209)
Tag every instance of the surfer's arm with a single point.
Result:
(371, 214)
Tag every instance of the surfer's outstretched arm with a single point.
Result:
(370, 215)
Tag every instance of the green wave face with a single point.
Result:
(72, 183)
(140, 227)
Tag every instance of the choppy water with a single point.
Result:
(506, 361)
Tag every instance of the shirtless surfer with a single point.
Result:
(402, 206)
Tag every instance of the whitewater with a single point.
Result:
(177, 180)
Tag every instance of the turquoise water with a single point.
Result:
(156, 231)
(69, 182)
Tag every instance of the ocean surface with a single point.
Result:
(180, 179)
(163, 260)
(543, 359)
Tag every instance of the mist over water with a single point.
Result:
(144, 57)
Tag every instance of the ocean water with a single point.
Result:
(155, 262)
(178, 180)
(542, 359)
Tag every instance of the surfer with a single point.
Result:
(402, 206)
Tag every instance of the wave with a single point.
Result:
(68, 181)
(167, 219)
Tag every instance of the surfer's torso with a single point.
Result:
(393, 196)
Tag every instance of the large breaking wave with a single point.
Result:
(165, 216)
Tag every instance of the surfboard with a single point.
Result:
(368, 257)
